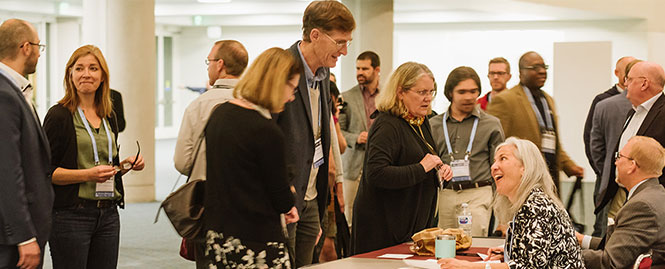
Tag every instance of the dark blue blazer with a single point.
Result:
(26, 195)
(296, 123)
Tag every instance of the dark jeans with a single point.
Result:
(84, 237)
(302, 235)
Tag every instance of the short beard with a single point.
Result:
(30, 66)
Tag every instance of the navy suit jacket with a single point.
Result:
(26, 195)
(653, 127)
(296, 123)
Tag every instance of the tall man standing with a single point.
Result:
(499, 75)
(327, 28)
(644, 86)
(528, 112)
(226, 62)
(26, 195)
(466, 138)
(355, 121)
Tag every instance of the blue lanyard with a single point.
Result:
(471, 138)
(318, 88)
(92, 137)
(539, 117)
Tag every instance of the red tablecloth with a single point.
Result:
(468, 255)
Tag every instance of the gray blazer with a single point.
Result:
(639, 227)
(26, 195)
(608, 119)
(352, 121)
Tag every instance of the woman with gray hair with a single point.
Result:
(397, 193)
(540, 233)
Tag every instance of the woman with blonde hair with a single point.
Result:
(247, 186)
(540, 232)
(402, 171)
(87, 173)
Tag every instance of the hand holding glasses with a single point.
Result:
(126, 165)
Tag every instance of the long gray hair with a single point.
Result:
(536, 175)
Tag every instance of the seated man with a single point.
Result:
(640, 224)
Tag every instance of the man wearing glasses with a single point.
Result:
(528, 112)
(26, 196)
(327, 28)
(644, 86)
(499, 75)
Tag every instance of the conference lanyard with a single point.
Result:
(92, 138)
(539, 117)
(471, 137)
(317, 86)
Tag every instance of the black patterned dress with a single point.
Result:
(542, 236)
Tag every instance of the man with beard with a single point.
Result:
(26, 196)
(499, 75)
(466, 138)
(355, 121)
(528, 112)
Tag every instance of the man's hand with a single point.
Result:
(340, 195)
(28, 256)
(292, 216)
(577, 171)
(362, 138)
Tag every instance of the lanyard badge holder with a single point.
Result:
(461, 168)
(548, 136)
(318, 143)
(104, 189)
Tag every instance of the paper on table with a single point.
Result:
(395, 256)
(482, 256)
(428, 264)
(492, 261)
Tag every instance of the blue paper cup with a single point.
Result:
(444, 246)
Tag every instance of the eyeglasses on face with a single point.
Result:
(497, 74)
(42, 47)
(630, 79)
(208, 61)
(340, 44)
(424, 93)
(618, 155)
(536, 67)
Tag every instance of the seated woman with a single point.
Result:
(540, 234)
(247, 186)
(398, 190)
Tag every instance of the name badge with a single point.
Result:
(548, 143)
(461, 171)
(318, 153)
(106, 188)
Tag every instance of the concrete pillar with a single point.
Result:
(125, 30)
(374, 31)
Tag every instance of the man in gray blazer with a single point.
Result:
(640, 224)
(354, 120)
(26, 195)
(327, 29)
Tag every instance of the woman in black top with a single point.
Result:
(247, 186)
(397, 194)
(87, 173)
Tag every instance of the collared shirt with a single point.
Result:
(370, 105)
(619, 88)
(641, 112)
(632, 190)
(489, 135)
(21, 82)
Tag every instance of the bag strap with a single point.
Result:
(196, 154)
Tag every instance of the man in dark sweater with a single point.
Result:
(327, 28)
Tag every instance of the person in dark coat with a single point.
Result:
(402, 171)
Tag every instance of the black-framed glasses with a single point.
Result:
(339, 44)
(42, 47)
(207, 61)
(424, 93)
(618, 155)
(497, 74)
(535, 67)
(128, 166)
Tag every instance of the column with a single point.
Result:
(374, 31)
(125, 30)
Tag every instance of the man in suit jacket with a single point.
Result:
(640, 223)
(644, 86)
(534, 120)
(327, 28)
(26, 195)
(355, 121)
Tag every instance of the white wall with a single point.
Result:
(442, 47)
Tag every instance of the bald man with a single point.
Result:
(644, 86)
(640, 225)
(26, 195)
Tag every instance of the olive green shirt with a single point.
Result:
(85, 156)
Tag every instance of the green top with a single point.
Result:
(85, 156)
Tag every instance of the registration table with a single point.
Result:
(371, 260)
